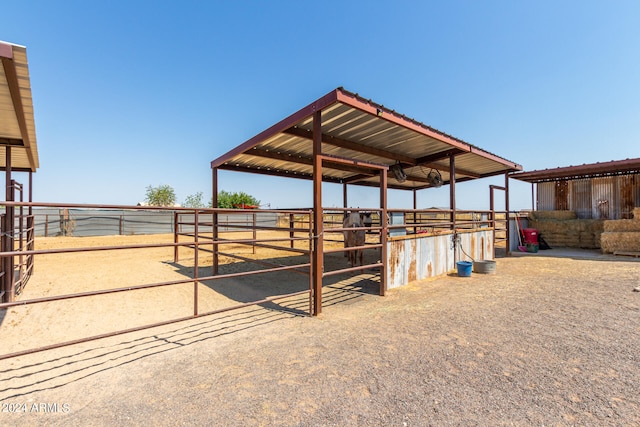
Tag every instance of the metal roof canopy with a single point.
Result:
(616, 167)
(17, 124)
(344, 138)
(363, 132)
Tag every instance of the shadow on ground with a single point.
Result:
(54, 368)
(257, 287)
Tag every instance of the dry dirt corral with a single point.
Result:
(545, 341)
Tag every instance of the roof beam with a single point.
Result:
(459, 171)
(274, 172)
(428, 161)
(439, 156)
(260, 152)
(354, 146)
(12, 141)
(307, 161)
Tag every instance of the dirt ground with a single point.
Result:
(545, 341)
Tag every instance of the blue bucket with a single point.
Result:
(464, 268)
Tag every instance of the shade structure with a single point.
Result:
(364, 132)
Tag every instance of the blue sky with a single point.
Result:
(132, 93)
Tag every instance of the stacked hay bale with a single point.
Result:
(622, 235)
(564, 229)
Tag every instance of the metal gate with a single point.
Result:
(18, 237)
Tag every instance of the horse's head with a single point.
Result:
(354, 219)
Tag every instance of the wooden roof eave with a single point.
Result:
(8, 56)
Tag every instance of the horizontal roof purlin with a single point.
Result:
(359, 129)
(616, 167)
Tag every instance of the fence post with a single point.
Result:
(195, 263)
(175, 236)
(291, 232)
(311, 257)
(4, 296)
(255, 234)
(7, 246)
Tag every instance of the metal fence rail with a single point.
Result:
(197, 230)
(200, 223)
(79, 222)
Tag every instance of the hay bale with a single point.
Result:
(572, 233)
(552, 215)
(622, 225)
(620, 241)
(636, 214)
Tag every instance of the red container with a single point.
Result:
(530, 235)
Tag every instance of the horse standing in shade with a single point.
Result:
(353, 238)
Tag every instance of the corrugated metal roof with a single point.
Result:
(17, 124)
(358, 129)
(616, 167)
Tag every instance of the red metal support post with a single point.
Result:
(291, 232)
(452, 198)
(214, 215)
(345, 200)
(7, 237)
(318, 226)
(195, 263)
(311, 261)
(255, 231)
(175, 236)
(533, 204)
(492, 207)
(452, 189)
(30, 192)
(506, 208)
(383, 232)
(415, 208)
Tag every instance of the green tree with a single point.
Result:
(194, 201)
(162, 195)
(227, 200)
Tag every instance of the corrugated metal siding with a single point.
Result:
(626, 186)
(562, 195)
(426, 256)
(477, 245)
(602, 196)
(612, 197)
(546, 196)
(580, 201)
(636, 192)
